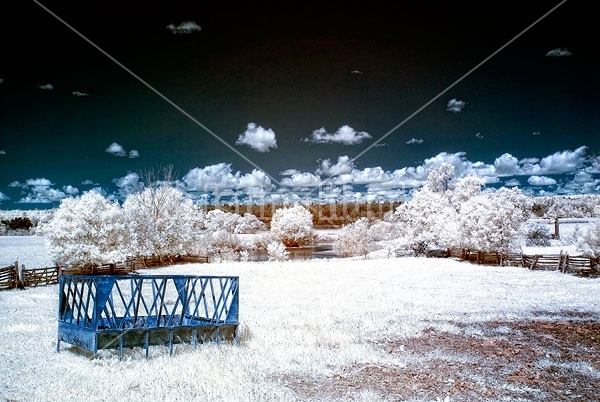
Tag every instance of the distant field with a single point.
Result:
(27, 250)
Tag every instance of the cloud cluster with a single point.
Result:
(116, 149)
(258, 138)
(344, 135)
(46, 87)
(79, 94)
(220, 177)
(414, 141)
(186, 27)
(559, 52)
(41, 191)
(3, 197)
(455, 105)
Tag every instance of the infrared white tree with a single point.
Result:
(84, 231)
(353, 239)
(293, 226)
(589, 243)
(162, 221)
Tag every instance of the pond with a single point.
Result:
(299, 253)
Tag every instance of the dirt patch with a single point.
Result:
(538, 359)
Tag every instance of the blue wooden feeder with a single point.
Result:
(117, 311)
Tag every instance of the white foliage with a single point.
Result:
(589, 243)
(353, 239)
(162, 221)
(86, 230)
(457, 213)
(293, 226)
(232, 222)
(277, 252)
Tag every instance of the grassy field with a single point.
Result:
(338, 329)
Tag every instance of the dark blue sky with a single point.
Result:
(526, 117)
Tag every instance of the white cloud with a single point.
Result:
(479, 135)
(79, 94)
(289, 172)
(506, 165)
(186, 27)
(210, 178)
(128, 184)
(301, 180)
(541, 181)
(512, 183)
(455, 105)
(116, 149)
(3, 197)
(40, 191)
(258, 138)
(563, 162)
(256, 180)
(134, 153)
(2, 152)
(89, 182)
(344, 135)
(47, 87)
(559, 52)
(70, 190)
(536, 133)
(414, 141)
(343, 165)
(1, 80)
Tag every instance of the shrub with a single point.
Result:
(537, 235)
(293, 226)
(353, 239)
(277, 252)
(88, 230)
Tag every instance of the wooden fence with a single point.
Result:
(563, 262)
(9, 277)
(13, 276)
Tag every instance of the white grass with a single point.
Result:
(27, 250)
(298, 319)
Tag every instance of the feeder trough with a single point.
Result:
(124, 311)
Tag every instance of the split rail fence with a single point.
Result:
(15, 276)
(563, 262)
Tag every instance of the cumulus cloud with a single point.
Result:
(2, 152)
(289, 172)
(79, 94)
(512, 183)
(128, 184)
(46, 87)
(563, 162)
(455, 105)
(186, 27)
(559, 52)
(301, 180)
(134, 153)
(89, 182)
(116, 149)
(220, 179)
(3, 197)
(414, 141)
(343, 165)
(258, 138)
(541, 181)
(70, 190)
(344, 135)
(40, 191)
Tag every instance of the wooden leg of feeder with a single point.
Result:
(195, 338)
(171, 343)
(58, 345)
(147, 343)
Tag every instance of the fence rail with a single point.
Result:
(9, 277)
(580, 265)
(13, 276)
